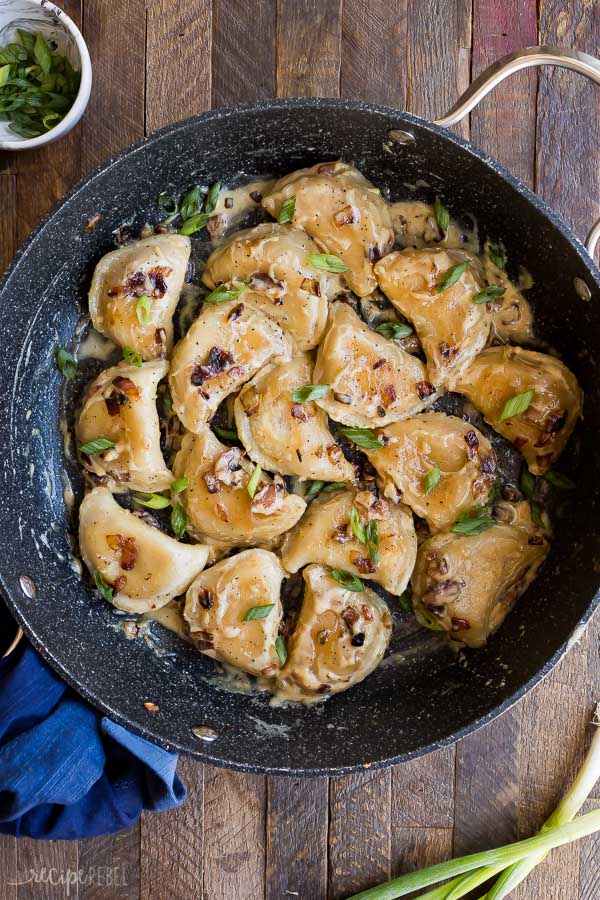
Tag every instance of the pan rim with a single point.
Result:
(223, 113)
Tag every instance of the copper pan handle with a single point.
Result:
(563, 57)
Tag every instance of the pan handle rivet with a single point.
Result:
(28, 586)
(582, 289)
(204, 733)
(401, 137)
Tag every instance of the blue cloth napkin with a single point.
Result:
(65, 770)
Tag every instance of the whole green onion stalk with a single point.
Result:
(514, 861)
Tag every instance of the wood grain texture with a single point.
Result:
(568, 125)
(115, 860)
(116, 37)
(423, 791)
(172, 843)
(234, 835)
(243, 51)
(8, 866)
(414, 848)
(438, 57)
(504, 122)
(309, 35)
(56, 857)
(8, 219)
(360, 842)
(374, 51)
(178, 63)
(296, 838)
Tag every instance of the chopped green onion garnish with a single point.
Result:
(190, 204)
(152, 501)
(372, 533)
(258, 612)
(98, 446)
(362, 437)
(347, 580)
(179, 520)
(516, 405)
(37, 85)
(227, 434)
(194, 224)
(536, 513)
(327, 261)
(334, 486)
(526, 483)
(427, 619)
(394, 331)
(223, 294)
(132, 357)
(212, 197)
(314, 488)
(254, 480)
(450, 277)
(442, 216)
(288, 208)
(104, 588)
(405, 602)
(168, 204)
(497, 255)
(357, 527)
(473, 522)
(491, 292)
(310, 392)
(66, 362)
(432, 479)
(559, 480)
(281, 650)
(143, 308)
(179, 485)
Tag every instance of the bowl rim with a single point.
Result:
(83, 95)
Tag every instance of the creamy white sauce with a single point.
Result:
(95, 346)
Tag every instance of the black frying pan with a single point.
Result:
(428, 697)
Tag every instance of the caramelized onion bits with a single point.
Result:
(219, 360)
(127, 548)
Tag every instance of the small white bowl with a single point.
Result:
(55, 25)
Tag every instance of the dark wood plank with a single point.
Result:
(172, 843)
(507, 116)
(589, 854)
(374, 49)
(110, 866)
(178, 64)
(439, 57)
(487, 786)
(296, 838)
(116, 37)
(415, 848)
(423, 791)
(234, 835)
(8, 866)
(57, 858)
(568, 132)
(554, 735)
(243, 51)
(309, 34)
(359, 832)
(8, 219)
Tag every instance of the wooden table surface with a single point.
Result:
(240, 837)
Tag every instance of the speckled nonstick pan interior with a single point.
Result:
(426, 696)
